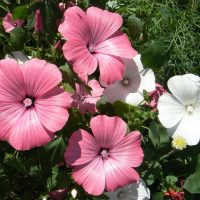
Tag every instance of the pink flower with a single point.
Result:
(155, 95)
(60, 194)
(32, 107)
(84, 101)
(9, 24)
(105, 160)
(135, 80)
(93, 38)
(38, 21)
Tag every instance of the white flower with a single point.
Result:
(135, 80)
(179, 112)
(18, 56)
(134, 191)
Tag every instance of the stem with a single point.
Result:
(168, 154)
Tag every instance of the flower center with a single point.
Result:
(104, 153)
(81, 98)
(15, 24)
(28, 102)
(91, 48)
(125, 82)
(190, 109)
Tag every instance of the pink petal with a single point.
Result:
(102, 23)
(9, 24)
(9, 113)
(111, 68)
(82, 148)
(12, 87)
(118, 175)
(51, 109)
(128, 151)
(75, 25)
(97, 90)
(91, 176)
(28, 131)
(116, 45)
(108, 131)
(40, 77)
(84, 63)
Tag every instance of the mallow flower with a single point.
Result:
(9, 24)
(93, 38)
(86, 101)
(135, 80)
(133, 191)
(32, 106)
(106, 159)
(179, 111)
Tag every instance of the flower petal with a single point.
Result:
(134, 98)
(97, 90)
(118, 174)
(184, 88)
(40, 77)
(51, 109)
(147, 80)
(84, 63)
(102, 23)
(111, 94)
(9, 114)
(12, 87)
(116, 45)
(170, 109)
(108, 131)
(91, 176)
(111, 68)
(28, 132)
(188, 128)
(82, 148)
(75, 24)
(128, 151)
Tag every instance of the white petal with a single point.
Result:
(18, 56)
(115, 92)
(134, 98)
(137, 60)
(188, 128)
(184, 88)
(134, 191)
(147, 80)
(170, 110)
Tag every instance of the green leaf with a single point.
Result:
(20, 12)
(152, 173)
(135, 25)
(171, 179)
(192, 183)
(18, 38)
(54, 151)
(18, 164)
(157, 196)
(155, 54)
(154, 134)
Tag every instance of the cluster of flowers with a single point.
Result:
(33, 106)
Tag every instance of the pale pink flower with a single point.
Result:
(32, 106)
(135, 80)
(9, 24)
(59, 194)
(38, 21)
(155, 94)
(93, 38)
(105, 160)
(84, 101)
